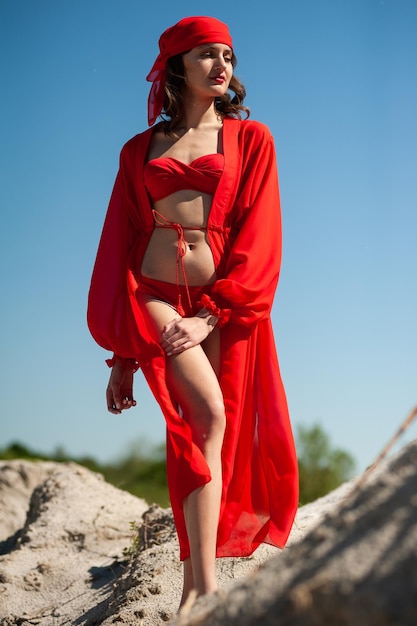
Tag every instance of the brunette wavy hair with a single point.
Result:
(173, 110)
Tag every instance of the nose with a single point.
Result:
(220, 62)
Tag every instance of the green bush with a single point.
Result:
(142, 471)
(321, 467)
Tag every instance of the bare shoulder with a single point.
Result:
(160, 140)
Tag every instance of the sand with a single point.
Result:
(68, 555)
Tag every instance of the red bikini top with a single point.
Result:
(165, 175)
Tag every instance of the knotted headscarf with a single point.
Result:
(183, 36)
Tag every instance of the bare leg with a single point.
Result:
(194, 385)
(193, 382)
(188, 583)
(201, 510)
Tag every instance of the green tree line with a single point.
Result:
(322, 468)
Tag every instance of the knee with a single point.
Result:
(210, 421)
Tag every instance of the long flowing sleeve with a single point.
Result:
(110, 316)
(251, 274)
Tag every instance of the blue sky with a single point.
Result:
(336, 81)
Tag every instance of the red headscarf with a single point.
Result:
(183, 36)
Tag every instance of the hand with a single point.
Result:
(119, 393)
(182, 334)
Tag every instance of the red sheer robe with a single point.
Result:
(260, 480)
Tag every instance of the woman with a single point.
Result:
(183, 286)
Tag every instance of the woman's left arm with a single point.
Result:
(248, 287)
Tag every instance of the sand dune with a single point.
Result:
(351, 558)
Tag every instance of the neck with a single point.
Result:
(200, 114)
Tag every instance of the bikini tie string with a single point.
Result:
(162, 222)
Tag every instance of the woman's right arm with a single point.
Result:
(119, 392)
(109, 315)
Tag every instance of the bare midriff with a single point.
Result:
(190, 209)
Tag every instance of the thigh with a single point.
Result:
(191, 375)
(211, 347)
(157, 314)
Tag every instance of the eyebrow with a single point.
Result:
(212, 47)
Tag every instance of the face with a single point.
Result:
(208, 70)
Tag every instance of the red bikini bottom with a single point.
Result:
(184, 299)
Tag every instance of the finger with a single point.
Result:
(171, 324)
(174, 342)
(116, 399)
(128, 402)
(126, 394)
(111, 406)
(177, 329)
(173, 327)
(181, 348)
(168, 345)
(170, 334)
